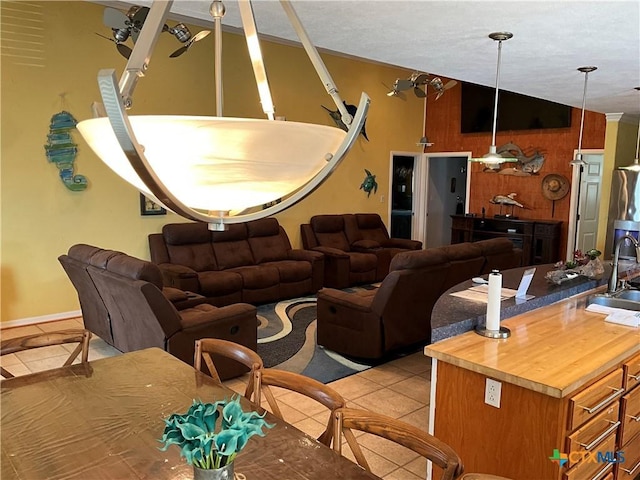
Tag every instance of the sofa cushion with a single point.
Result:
(462, 251)
(215, 284)
(231, 247)
(292, 270)
(417, 259)
(329, 230)
(371, 227)
(258, 277)
(362, 262)
(266, 243)
(189, 244)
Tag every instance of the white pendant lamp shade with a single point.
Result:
(219, 164)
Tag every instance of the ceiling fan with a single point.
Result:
(126, 25)
(416, 82)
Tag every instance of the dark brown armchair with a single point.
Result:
(369, 324)
(141, 314)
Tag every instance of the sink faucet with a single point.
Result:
(613, 280)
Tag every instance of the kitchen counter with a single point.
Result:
(554, 350)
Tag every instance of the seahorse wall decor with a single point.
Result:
(61, 150)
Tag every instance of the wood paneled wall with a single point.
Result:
(443, 129)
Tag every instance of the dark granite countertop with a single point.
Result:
(454, 315)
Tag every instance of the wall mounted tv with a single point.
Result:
(515, 111)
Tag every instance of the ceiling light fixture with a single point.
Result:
(578, 158)
(635, 166)
(218, 169)
(493, 159)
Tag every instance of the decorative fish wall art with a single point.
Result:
(61, 150)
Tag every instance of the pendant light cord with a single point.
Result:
(584, 101)
(495, 102)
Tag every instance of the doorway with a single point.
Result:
(426, 189)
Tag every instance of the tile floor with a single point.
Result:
(399, 389)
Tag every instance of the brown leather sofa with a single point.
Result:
(372, 323)
(357, 247)
(251, 262)
(137, 312)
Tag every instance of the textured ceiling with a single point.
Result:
(450, 38)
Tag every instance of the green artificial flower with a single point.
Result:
(207, 443)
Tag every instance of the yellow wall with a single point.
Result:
(53, 66)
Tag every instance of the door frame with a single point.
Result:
(574, 207)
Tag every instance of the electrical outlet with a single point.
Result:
(492, 392)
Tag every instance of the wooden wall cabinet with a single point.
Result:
(538, 239)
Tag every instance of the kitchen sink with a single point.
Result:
(627, 299)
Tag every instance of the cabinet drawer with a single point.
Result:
(590, 468)
(590, 436)
(630, 417)
(630, 468)
(593, 399)
(631, 372)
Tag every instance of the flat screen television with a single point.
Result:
(515, 111)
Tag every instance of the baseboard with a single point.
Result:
(21, 322)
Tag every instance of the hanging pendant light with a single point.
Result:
(218, 170)
(492, 159)
(635, 166)
(578, 158)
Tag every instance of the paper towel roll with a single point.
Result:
(493, 303)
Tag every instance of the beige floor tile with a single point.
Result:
(390, 450)
(15, 332)
(302, 403)
(18, 369)
(414, 363)
(417, 467)
(98, 348)
(415, 387)
(61, 325)
(310, 427)
(290, 414)
(379, 465)
(9, 359)
(48, 363)
(419, 418)
(354, 386)
(385, 374)
(390, 403)
(402, 474)
(42, 353)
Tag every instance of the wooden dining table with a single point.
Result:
(104, 419)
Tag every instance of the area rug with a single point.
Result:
(287, 340)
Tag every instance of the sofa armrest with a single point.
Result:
(402, 243)
(331, 252)
(180, 277)
(306, 255)
(204, 316)
(174, 294)
(346, 300)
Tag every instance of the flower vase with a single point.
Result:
(223, 473)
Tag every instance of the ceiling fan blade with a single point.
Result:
(403, 84)
(449, 84)
(200, 35)
(124, 50)
(180, 51)
(421, 79)
(135, 33)
(420, 93)
(139, 17)
(113, 18)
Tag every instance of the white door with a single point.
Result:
(586, 216)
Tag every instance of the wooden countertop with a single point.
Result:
(554, 350)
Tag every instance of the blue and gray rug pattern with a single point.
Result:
(287, 340)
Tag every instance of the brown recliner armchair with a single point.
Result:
(366, 232)
(142, 315)
(343, 267)
(370, 324)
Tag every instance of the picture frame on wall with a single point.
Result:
(149, 207)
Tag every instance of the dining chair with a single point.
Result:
(19, 344)
(211, 349)
(402, 433)
(295, 382)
